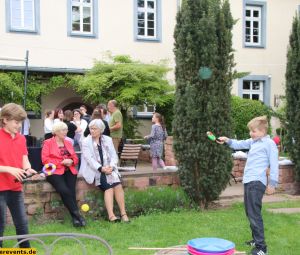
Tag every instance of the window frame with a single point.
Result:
(263, 26)
(94, 19)
(266, 86)
(36, 18)
(157, 22)
(144, 114)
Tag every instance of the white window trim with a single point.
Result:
(266, 79)
(21, 29)
(146, 10)
(252, 19)
(263, 25)
(144, 114)
(81, 5)
(252, 91)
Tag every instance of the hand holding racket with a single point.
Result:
(219, 140)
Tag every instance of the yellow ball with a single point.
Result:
(85, 207)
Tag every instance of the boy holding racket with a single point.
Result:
(263, 154)
(14, 165)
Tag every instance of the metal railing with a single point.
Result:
(49, 248)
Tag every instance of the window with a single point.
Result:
(22, 15)
(253, 90)
(147, 19)
(255, 87)
(82, 18)
(143, 111)
(254, 24)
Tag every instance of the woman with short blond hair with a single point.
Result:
(60, 152)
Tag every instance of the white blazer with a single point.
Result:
(90, 161)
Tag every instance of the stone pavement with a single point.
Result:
(234, 193)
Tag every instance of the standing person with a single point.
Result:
(84, 115)
(99, 165)
(81, 126)
(263, 154)
(105, 113)
(58, 115)
(14, 165)
(26, 131)
(115, 123)
(97, 114)
(60, 152)
(156, 138)
(48, 123)
(68, 118)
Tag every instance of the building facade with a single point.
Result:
(69, 35)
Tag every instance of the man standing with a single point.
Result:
(85, 116)
(115, 123)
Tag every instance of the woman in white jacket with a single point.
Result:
(99, 165)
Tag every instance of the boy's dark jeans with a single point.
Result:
(253, 194)
(14, 200)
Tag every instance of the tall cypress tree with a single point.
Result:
(293, 95)
(203, 39)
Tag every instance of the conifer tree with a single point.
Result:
(203, 39)
(293, 95)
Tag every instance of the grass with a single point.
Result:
(282, 231)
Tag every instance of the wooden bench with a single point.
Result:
(129, 157)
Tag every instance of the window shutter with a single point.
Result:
(15, 11)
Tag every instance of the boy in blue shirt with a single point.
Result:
(263, 154)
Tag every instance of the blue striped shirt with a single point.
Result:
(263, 153)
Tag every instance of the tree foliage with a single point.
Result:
(127, 81)
(293, 95)
(12, 88)
(203, 39)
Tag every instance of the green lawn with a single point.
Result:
(176, 228)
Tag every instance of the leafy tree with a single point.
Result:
(127, 81)
(293, 95)
(203, 39)
(12, 88)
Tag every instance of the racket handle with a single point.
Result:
(27, 176)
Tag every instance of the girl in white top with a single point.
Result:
(81, 126)
(48, 123)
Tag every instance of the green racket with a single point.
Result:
(212, 137)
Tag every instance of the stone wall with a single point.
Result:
(287, 181)
(42, 201)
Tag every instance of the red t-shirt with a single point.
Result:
(12, 151)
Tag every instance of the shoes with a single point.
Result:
(114, 219)
(124, 218)
(257, 251)
(250, 243)
(78, 220)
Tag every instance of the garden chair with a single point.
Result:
(70, 239)
(129, 157)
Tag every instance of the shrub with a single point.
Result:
(164, 199)
(243, 110)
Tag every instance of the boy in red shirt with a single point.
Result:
(14, 164)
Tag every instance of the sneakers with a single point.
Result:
(256, 251)
(250, 243)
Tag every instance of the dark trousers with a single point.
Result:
(253, 195)
(65, 185)
(14, 200)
